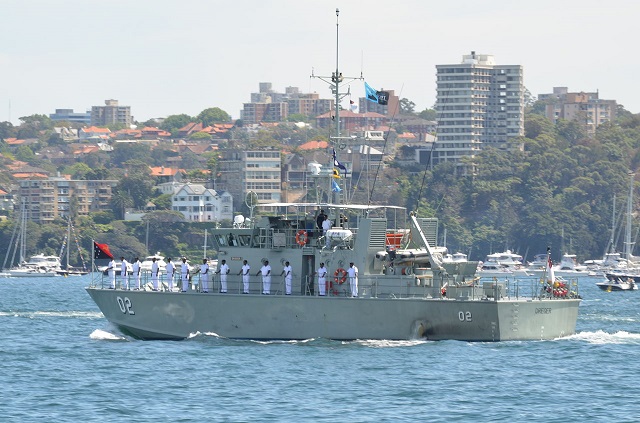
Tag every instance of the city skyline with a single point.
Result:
(183, 57)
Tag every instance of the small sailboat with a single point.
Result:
(627, 278)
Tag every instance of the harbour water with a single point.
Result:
(61, 361)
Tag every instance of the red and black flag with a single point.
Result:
(101, 251)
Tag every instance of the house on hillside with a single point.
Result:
(166, 174)
(94, 133)
(200, 204)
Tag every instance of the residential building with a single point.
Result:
(68, 115)
(351, 121)
(53, 197)
(258, 171)
(270, 106)
(264, 112)
(111, 113)
(479, 103)
(94, 133)
(166, 174)
(200, 204)
(585, 108)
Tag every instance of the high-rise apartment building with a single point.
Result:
(585, 108)
(270, 106)
(110, 113)
(478, 103)
(47, 199)
(259, 171)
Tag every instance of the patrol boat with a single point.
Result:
(405, 290)
(399, 298)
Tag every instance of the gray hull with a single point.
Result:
(165, 315)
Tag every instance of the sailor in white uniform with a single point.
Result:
(224, 271)
(136, 272)
(245, 276)
(287, 278)
(155, 268)
(352, 272)
(326, 225)
(265, 270)
(123, 274)
(170, 268)
(112, 273)
(204, 276)
(184, 273)
(322, 280)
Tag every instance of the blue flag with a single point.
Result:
(371, 94)
(334, 186)
(337, 164)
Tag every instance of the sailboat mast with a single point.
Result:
(68, 240)
(627, 238)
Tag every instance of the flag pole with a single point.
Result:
(93, 258)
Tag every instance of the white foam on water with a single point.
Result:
(40, 314)
(302, 341)
(102, 335)
(198, 334)
(91, 314)
(602, 337)
(382, 343)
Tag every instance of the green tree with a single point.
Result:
(121, 200)
(174, 122)
(125, 152)
(77, 171)
(297, 117)
(213, 115)
(200, 136)
(407, 107)
(25, 154)
(162, 202)
(7, 130)
(428, 114)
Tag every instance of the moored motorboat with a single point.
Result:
(618, 283)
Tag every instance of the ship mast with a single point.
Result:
(334, 83)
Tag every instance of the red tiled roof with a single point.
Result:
(14, 141)
(314, 145)
(29, 175)
(407, 135)
(163, 171)
(86, 149)
(95, 129)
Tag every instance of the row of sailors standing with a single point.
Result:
(224, 271)
(185, 273)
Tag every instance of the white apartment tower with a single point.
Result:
(478, 103)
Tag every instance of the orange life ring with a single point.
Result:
(302, 237)
(340, 276)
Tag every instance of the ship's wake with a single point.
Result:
(52, 313)
(602, 337)
(383, 343)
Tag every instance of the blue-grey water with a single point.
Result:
(61, 361)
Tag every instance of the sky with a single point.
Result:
(166, 57)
